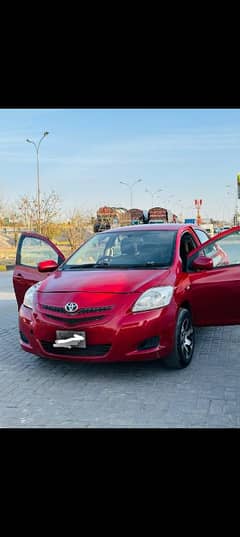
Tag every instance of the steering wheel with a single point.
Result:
(104, 259)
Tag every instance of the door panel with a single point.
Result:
(215, 293)
(32, 248)
(215, 296)
(23, 278)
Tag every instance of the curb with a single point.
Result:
(6, 267)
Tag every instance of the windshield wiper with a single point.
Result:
(103, 265)
(107, 265)
(153, 264)
(77, 267)
(149, 265)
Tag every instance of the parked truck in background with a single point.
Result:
(108, 217)
(157, 215)
(104, 218)
(121, 217)
(136, 216)
(160, 215)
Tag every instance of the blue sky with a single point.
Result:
(187, 153)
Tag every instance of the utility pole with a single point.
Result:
(38, 181)
(153, 193)
(130, 186)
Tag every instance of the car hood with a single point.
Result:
(106, 280)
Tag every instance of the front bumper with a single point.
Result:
(122, 337)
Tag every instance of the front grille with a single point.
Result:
(91, 350)
(80, 310)
(74, 321)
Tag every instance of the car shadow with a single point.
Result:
(100, 369)
(127, 369)
(110, 370)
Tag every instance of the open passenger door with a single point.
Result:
(32, 249)
(214, 276)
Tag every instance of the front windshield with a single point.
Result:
(125, 249)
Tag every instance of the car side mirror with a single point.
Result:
(202, 263)
(47, 266)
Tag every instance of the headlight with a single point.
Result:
(28, 297)
(154, 298)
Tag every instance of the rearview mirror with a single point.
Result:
(202, 263)
(47, 266)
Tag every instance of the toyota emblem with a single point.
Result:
(71, 307)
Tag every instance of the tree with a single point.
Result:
(78, 228)
(5, 209)
(27, 209)
(27, 212)
(50, 209)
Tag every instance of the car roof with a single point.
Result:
(145, 227)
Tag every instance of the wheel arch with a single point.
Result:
(186, 305)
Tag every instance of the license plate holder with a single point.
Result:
(65, 334)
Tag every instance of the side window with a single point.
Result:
(187, 244)
(203, 237)
(210, 251)
(34, 250)
(223, 252)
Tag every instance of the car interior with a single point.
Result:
(187, 244)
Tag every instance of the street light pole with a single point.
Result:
(130, 186)
(153, 193)
(38, 181)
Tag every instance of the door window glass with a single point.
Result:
(35, 250)
(203, 237)
(229, 249)
(225, 251)
(187, 244)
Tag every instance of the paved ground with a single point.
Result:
(39, 393)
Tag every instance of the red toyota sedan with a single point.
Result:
(131, 293)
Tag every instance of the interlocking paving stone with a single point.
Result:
(40, 393)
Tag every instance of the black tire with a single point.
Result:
(184, 342)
